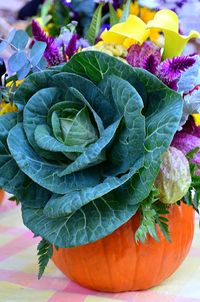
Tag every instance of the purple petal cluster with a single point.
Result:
(72, 46)
(70, 43)
(147, 56)
(170, 70)
(51, 53)
(188, 139)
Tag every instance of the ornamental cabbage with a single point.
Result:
(85, 147)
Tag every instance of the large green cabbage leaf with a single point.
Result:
(87, 148)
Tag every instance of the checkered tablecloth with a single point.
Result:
(18, 272)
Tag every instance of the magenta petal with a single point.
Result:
(191, 128)
(187, 142)
(146, 56)
(51, 53)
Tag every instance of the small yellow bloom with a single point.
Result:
(17, 83)
(134, 10)
(7, 107)
(132, 31)
(167, 22)
(196, 118)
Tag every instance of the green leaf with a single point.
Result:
(22, 73)
(78, 130)
(126, 11)
(95, 25)
(12, 179)
(46, 141)
(43, 173)
(93, 97)
(92, 222)
(45, 8)
(113, 15)
(19, 40)
(74, 200)
(17, 61)
(33, 83)
(151, 212)
(129, 145)
(95, 153)
(37, 52)
(45, 252)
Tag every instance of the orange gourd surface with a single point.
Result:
(117, 263)
(1, 195)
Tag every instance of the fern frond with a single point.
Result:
(45, 252)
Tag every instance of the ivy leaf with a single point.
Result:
(95, 25)
(113, 15)
(17, 61)
(37, 52)
(126, 11)
(20, 39)
(45, 252)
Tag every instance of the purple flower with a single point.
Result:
(170, 70)
(188, 139)
(66, 3)
(70, 43)
(82, 43)
(51, 53)
(72, 46)
(146, 56)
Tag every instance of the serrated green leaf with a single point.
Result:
(95, 25)
(45, 252)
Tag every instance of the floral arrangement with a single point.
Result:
(93, 134)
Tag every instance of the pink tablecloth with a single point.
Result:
(18, 272)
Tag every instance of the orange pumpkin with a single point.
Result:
(1, 195)
(117, 263)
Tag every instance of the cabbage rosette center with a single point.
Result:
(85, 147)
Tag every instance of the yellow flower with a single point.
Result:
(134, 10)
(7, 107)
(145, 14)
(17, 83)
(167, 22)
(196, 118)
(132, 31)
